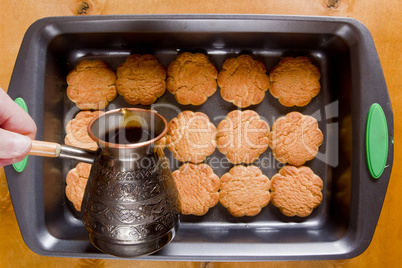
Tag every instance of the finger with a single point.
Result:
(14, 118)
(13, 145)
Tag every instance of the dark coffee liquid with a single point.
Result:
(127, 135)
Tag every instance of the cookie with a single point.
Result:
(76, 181)
(295, 81)
(191, 78)
(242, 136)
(296, 191)
(191, 137)
(91, 85)
(198, 188)
(243, 81)
(244, 191)
(295, 138)
(77, 133)
(141, 79)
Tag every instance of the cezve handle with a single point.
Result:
(44, 148)
(52, 149)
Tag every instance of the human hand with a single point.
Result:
(17, 129)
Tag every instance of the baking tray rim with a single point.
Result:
(361, 29)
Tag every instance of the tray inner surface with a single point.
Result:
(332, 108)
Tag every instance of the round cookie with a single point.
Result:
(76, 181)
(296, 191)
(191, 137)
(77, 133)
(244, 191)
(198, 188)
(295, 138)
(242, 136)
(91, 85)
(295, 81)
(243, 81)
(141, 79)
(191, 78)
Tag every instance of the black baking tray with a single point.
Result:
(352, 80)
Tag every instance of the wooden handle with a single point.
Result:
(44, 148)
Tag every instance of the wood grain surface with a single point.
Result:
(383, 18)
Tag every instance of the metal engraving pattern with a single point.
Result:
(130, 205)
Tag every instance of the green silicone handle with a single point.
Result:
(376, 140)
(20, 166)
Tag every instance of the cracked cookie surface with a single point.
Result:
(296, 191)
(191, 78)
(91, 85)
(77, 134)
(191, 137)
(295, 81)
(244, 191)
(295, 138)
(198, 188)
(242, 136)
(243, 81)
(141, 79)
(76, 181)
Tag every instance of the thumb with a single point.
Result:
(13, 145)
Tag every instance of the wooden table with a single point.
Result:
(382, 18)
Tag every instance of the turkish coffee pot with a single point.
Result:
(130, 206)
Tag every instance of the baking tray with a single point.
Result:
(352, 80)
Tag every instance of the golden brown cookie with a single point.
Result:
(191, 78)
(244, 191)
(242, 136)
(295, 81)
(198, 188)
(91, 85)
(141, 79)
(296, 191)
(191, 137)
(76, 181)
(77, 134)
(295, 138)
(243, 81)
